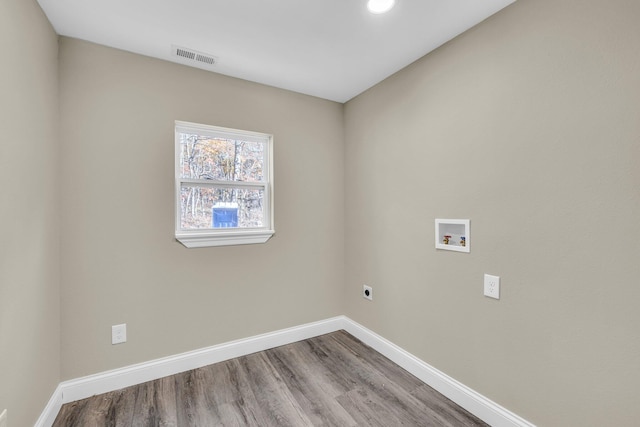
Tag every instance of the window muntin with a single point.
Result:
(223, 186)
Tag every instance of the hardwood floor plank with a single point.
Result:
(195, 407)
(415, 398)
(235, 395)
(122, 409)
(307, 378)
(370, 408)
(72, 414)
(155, 403)
(98, 409)
(393, 404)
(379, 362)
(450, 412)
(364, 411)
(330, 380)
(272, 394)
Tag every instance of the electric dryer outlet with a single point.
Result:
(367, 292)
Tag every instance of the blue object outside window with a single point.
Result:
(225, 217)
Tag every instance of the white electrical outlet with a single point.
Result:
(367, 292)
(3, 419)
(492, 286)
(119, 334)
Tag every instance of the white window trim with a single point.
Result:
(225, 237)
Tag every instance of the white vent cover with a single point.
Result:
(193, 55)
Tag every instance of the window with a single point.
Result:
(224, 186)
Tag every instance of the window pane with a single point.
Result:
(204, 157)
(207, 208)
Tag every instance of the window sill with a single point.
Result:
(209, 239)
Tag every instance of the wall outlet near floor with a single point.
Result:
(3, 419)
(119, 334)
(367, 292)
(492, 286)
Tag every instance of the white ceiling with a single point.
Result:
(332, 49)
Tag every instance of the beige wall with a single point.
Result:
(528, 125)
(120, 261)
(29, 263)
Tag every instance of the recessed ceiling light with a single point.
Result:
(380, 6)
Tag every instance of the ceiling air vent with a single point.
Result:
(193, 55)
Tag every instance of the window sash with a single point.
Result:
(266, 212)
(199, 152)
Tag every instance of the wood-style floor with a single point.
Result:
(330, 380)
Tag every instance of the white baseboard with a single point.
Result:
(81, 388)
(135, 374)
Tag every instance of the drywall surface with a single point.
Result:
(527, 125)
(120, 260)
(29, 269)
